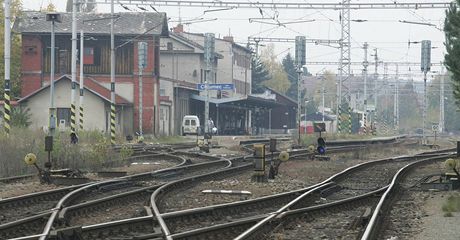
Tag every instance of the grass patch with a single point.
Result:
(93, 151)
(452, 204)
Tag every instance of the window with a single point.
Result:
(193, 123)
(88, 56)
(162, 92)
(187, 122)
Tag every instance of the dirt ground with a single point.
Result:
(434, 224)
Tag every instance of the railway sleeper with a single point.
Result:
(70, 233)
(362, 220)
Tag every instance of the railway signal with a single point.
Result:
(321, 149)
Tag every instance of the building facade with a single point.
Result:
(129, 30)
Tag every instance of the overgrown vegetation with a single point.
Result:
(92, 153)
(451, 205)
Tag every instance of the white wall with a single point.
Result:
(94, 107)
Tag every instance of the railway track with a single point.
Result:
(17, 214)
(94, 231)
(239, 211)
(399, 195)
(351, 225)
(124, 197)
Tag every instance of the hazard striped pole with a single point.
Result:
(365, 124)
(7, 45)
(81, 80)
(349, 120)
(112, 77)
(339, 118)
(73, 67)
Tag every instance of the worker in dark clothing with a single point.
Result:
(73, 138)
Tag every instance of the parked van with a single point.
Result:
(190, 125)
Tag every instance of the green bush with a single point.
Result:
(452, 204)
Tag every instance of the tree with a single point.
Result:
(85, 6)
(290, 69)
(452, 43)
(50, 8)
(259, 74)
(330, 90)
(409, 108)
(20, 117)
(279, 79)
(15, 71)
(452, 113)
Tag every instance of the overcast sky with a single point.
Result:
(382, 30)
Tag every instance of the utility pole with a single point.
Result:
(74, 67)
(7, 56)
(82, 50)
(376, 78)
(425, 67)
(385, 92)
(142, 62)
(365, 64)
(112, 76)
(441, 103)
(345, 62)
(396, 101)
(209, 47)
(300, 59)
(52, 17)
(322, 94)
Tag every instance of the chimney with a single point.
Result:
(179, 28)
(228, 39)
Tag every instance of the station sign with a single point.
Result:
(216, 86)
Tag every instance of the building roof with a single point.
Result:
(240, 101)
(124, 23)
(290, 100)
(248, 50)
(13, 103)
(317, 117)
(90, 85)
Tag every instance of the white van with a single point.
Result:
(190, 125)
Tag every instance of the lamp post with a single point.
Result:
(52, 17)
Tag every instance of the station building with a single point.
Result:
(129, 29)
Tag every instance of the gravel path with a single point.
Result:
(433, 223)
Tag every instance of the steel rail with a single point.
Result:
(335, 177)
(165, 187)
(372, 226)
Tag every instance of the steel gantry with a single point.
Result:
(344, 6)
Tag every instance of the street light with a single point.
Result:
(52, 17)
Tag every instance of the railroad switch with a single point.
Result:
(445, 182)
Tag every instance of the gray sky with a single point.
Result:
(382, 30)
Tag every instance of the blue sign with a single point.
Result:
(215, 86)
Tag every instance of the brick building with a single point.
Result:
(129, 29)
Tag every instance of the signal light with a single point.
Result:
(321, 146)
(321, 150)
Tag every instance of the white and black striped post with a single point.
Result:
(73, 67)
(81, 114)
(7, 56)
(112, 77)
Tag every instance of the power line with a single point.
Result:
(283, 5)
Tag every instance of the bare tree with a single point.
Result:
(85, 6)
